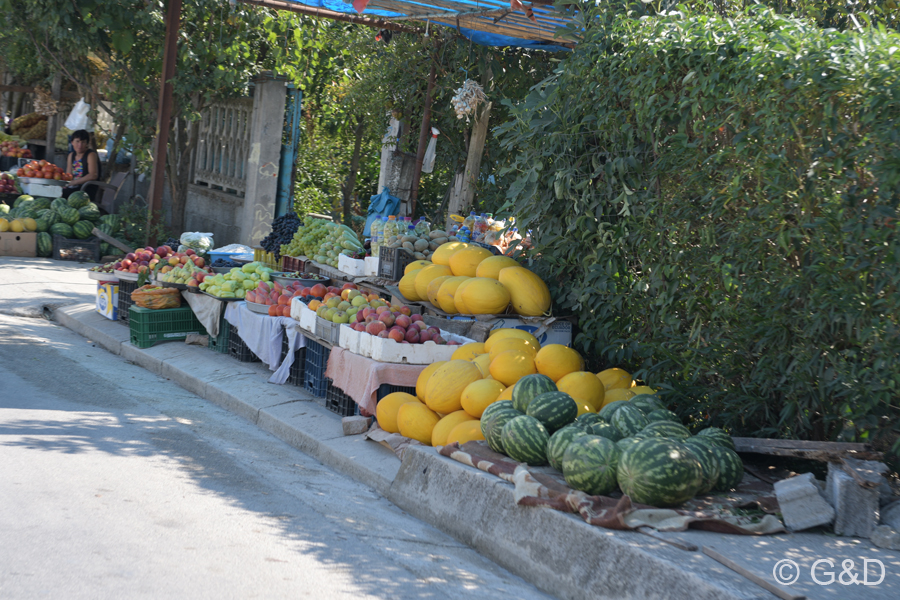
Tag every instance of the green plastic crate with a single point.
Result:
(150, 327)
(220, 342)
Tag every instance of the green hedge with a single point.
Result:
(714, 199)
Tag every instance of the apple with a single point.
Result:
(127, 262)
(130, 256)
(412, 336)
(403, 321)
(434, 331)
(387, 318)
(161, 251)
(198, 260)
(396, 335)
(405, 310)
(190, 252)
(193, 282)
(415, 318)
(381, 310)
(359, 316)
(438, 340)
(376, 327)
(424, 336)
(349, 286)
(340, 317)
(383, 334)
(421, 325)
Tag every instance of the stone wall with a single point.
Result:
(214, 211)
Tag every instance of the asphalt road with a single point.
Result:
(116, 483)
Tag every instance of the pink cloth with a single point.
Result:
(360, 377)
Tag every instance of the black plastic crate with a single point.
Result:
(385, 388)
(79, 250)
(338, 402)
(125, 301)
(316, 362)
(298, 367)
(238, 349)
(392, 262)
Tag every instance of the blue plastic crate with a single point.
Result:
(316, 363)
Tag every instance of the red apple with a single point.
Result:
(438, 340)
(387, 318)
(412, 336)
(382, 309)
(383, 334)
(424, 336)
(405, 310)
(161, 251)
(396, 335)
(319, 290)
(349, 286)
(359, 316)
(375, 327)
(434, 331)
(128, 261)
(198, 260)
(192, 282)
(190, 252)
(420, 325)
(403, 321)
(131, 256)
(415, 318)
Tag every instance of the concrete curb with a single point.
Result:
(557, 552)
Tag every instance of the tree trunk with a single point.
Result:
(178, 165)
(350, 182)
(111, 158)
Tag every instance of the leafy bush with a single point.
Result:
(715, 200)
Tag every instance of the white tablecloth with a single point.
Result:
(262, 334)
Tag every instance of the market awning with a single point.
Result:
(534, 24)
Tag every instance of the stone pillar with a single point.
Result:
(266, 127)
(399, 178)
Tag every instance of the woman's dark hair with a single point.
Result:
(81, 134)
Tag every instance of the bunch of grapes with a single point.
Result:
(308, 238)
(283, 230)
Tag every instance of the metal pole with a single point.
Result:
(423, 141)
(164, 117)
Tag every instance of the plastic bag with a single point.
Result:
(78, 118)
(430, 152)
(196, 241)
(150, 296)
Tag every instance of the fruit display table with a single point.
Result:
(207, 309)
(263, 335)
(360, 377)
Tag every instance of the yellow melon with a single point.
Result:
(583, 386)
(616, 394)
(466, 431)
(499, 334)
(479, 394)
(446, 425)
(407, 286)
(468, 351)
(506, 394)
(514, 343)
(29, 224)
(556, 361)
(417, 421)
(458, 299)
(387, 408)
(491, 266)
(4, 225)
(483, 296)
(530, 295)
(584, 407)
(426, 275)
(16, 226)
(445, 295)
(416, 265)
(432, 291)
(424, 375)
(642, 389)
(615, 378)
(483, 362)
(510, 366)
(443, 253)
(444, 388)
(466, 261)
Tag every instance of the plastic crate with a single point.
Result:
(238, 349)
(298, 367)
(328, 331)
(149, 327)
(316, 362)
(392, 262)
(79, 250)
(291, 264)
(220, 342)
(385, 388)
(338, 402)
(125, 301)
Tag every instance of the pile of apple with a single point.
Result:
(12, 149)
(8, 184)
(397, 324)
(340, 305)
(274, 295)
(146, 259)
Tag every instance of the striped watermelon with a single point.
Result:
(525, 440)
(590, 463)
(607, 430)
(708, 462)
(718, 436)
(89, 212)
(663, 415)
(659, 472)
(104, 248)
(667, 429)
(68, 215)
(589, 418)
(27, 212)
(79, 199)
(40, 225)
(553, 409)
(58, 204)
(558, 443)
(61, 229)
(629, 441)
(628, 419)
(49, 216)
(22, 199)
(646, 402)
(731, 468)
(491, 408)
(528, 388)
(44, 244)
(492, 428)
(608, 410)
(82, 229)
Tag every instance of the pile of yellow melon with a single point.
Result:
(452, 395)
(468, 279)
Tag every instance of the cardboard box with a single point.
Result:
(18, 244)
(108, 299)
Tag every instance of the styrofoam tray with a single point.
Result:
(126, 276)
(301, 312)
(352, 266)
(97, 275)
(387, 350)
(371, 266)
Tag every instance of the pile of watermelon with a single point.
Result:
(638, 445)
(74, 217)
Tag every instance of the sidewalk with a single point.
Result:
(557, 552)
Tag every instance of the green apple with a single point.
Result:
(340, 317)
(333, 302)
(359, 301)
(344, 305)
(329, 314)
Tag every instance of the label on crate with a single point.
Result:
(108, 300)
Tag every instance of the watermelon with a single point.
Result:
(79, 199)
(48, 215)
(27, 212)
(491, 408)
(607, 430)
(663, 415)
(528, 388)
(44, 244)
(628, 419)
(82, 229)
(41, 225)
(589, 418)
(629, 441)
(104, 248)
(608, 410)
(590, 463)
(659, 472)
(525, 440)
(558, 443)
(708, 462)
(553, 409)
(646, 402)
(717, 436)
(58, 204)
(666, 429)
(113, 221)
(492, 428)
(41, 203)
(61, 229)
(731, 468)
(89, 212)
(68, 215)
(22, 199)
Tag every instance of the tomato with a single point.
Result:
(20, 173)
(43, 163)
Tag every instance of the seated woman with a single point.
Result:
(83, 165)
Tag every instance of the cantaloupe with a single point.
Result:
(425, 276)
(16, 226)
(479, 394)
(491, 266)
(584, 407)
(444, 388)
(443, 253)
(417, 421)
(499, 334)
(446, 425)
(616, 394)
(416, 265)
(511, 366)
(506, 394)
(465, 262)
(483, 362)
(515, 343)
(530, 295)
(466, 431)
(556, 361)
(458, 297)
(424, 375)
(407, 286)
(4, 225)
(615, 378)
(388, 407)
(484, 296)
(583, 386)
(447, 292)
(432, 291)
(642, 389)
(468, 351)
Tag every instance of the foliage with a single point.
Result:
(715, 200)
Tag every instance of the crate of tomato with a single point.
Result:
(42, 170)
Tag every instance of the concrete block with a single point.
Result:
(801, 504)
(886, 494)
(885, 537)
(855, 507)
(356, 425)
(890, 514)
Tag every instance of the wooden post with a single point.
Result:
(53, 121)
(423, 141)
(463, 196)
(164, 116)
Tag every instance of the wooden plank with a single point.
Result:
(826, 451)
(112, 241)
(778, 591)
(800, 444)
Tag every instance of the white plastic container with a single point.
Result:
(352, 266)
(301, 312)
(387, 350)
(371, 266)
